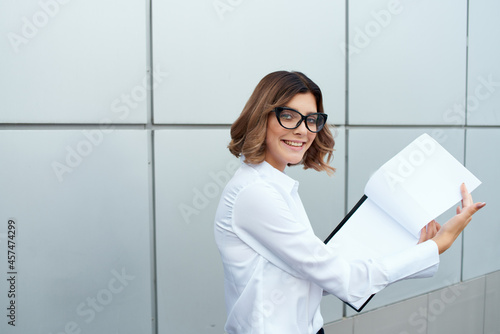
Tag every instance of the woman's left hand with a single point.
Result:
(429, 231)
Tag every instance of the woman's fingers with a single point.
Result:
(435, 228)
(423, 235)
(468, 202)
(466, 197)
(447, 234)
(429, 231)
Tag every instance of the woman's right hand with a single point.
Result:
(450, 231)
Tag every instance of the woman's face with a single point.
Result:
(285, 146)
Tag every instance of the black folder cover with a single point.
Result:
(339, 226)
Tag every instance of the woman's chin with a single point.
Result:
(294, 161)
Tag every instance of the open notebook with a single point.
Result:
(401, 197)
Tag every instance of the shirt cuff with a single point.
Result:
(417, 262)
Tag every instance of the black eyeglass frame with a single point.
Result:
(277, 111)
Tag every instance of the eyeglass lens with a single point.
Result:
(291, 119)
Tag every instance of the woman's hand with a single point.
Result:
(429, 231)
(448, 233)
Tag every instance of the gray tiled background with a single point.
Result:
(114, 122)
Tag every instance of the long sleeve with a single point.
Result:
(264, 219)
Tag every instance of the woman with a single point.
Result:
(274, 278)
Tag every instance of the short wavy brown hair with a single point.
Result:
(248, 132)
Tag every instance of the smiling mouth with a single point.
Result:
(294, 143)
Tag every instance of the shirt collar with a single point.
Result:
(273, 175)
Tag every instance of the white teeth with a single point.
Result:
(292, 143)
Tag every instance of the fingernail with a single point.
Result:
(480, 205)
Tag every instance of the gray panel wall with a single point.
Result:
(114, 121)
(80, 237)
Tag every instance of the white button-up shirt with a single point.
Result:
(276, 269)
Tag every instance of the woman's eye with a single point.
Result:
(286, 116)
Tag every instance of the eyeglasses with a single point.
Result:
(291, 119)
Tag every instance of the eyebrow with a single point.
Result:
(307, 113)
